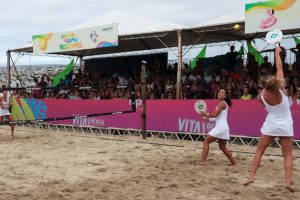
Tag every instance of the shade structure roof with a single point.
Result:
(135, 33)
(221, 29)
(139, 33)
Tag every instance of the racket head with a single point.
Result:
(200, 106)
(274, 37)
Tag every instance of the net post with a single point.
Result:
(144, 133)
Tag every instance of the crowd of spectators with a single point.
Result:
(245, 83)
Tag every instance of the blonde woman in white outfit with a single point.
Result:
(4, 109)
(279, 122)
(221, 130)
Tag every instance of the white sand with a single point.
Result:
(62, 166)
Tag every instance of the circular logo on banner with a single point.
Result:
(94, 36)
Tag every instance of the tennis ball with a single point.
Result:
(236, 27)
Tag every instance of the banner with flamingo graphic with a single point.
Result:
(269, 15)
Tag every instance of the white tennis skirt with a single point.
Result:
(4, 112)
(284, 129)
(220, 132)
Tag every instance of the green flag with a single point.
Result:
(200, 55)
(297, 40)
(62, 75)
(241, 52)
(258, 57)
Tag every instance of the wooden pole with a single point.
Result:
(179, 66)
(144, 90)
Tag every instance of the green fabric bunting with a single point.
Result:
(200, 55)
(241, 53)
(258, 57)
(297, 40)
(62, 75)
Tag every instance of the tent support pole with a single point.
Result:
(179, 66)
(81, 63)
(8, 67)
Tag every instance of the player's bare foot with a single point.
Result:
(290, 188)
(250, 181)
(201, 162)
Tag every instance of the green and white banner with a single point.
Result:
(89, 38)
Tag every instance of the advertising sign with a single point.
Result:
(89, 38)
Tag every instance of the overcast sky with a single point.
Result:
(19, 20)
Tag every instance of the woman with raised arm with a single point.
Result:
(279, 122)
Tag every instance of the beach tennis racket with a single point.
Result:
(274, 37)
(200, 106)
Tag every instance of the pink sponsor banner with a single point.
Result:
(66, 108)
(245, 118)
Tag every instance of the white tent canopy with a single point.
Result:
(129, 24)
(135, 33)
(236, 16)
(139, 33)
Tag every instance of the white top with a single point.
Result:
(279, 121)
(221, 130)
(4, 110)
(221, 119)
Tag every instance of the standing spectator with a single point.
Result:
(37, 91)
(231, 58)
(294, 85)
(43, 85)
(252, 66)
(265, 67)
(295, 70)
(49, 82)
(296, 51)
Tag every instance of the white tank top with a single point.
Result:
(281, 113)
(221, 119)
(5, 102)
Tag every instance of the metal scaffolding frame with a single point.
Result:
(234, 139)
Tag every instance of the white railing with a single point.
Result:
(234, 139)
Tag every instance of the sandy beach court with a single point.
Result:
(61, 166)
